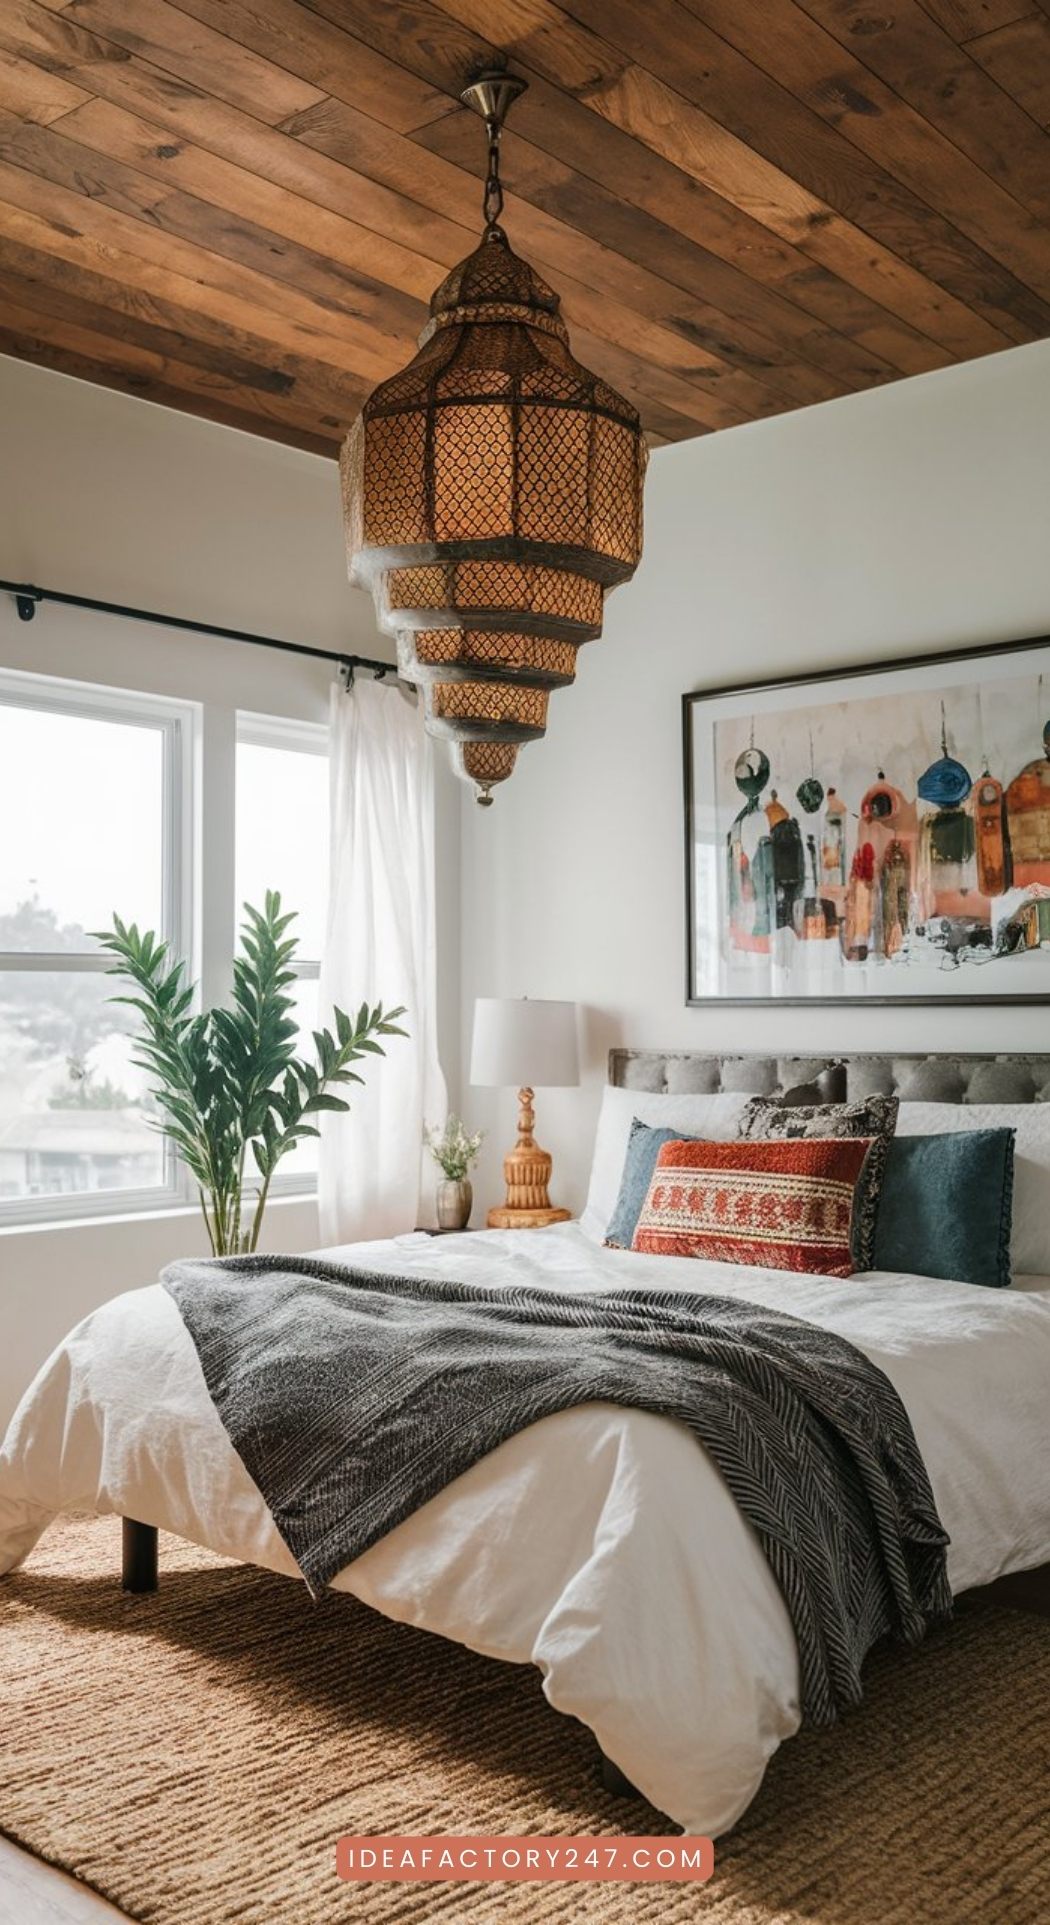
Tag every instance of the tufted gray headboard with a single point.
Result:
(837, 1079)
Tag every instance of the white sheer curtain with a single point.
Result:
(380, 947)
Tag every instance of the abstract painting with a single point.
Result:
(880, 835)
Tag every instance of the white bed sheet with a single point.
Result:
(601, 1544)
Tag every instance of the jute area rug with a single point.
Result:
(194, 1755)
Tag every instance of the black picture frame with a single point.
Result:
(694, 699)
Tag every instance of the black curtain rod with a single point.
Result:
(27, 597)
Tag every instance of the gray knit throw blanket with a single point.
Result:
(352, 1398)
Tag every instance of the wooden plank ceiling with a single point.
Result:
(241, 207)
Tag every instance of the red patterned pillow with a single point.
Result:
(784, 1205)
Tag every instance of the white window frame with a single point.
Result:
(310, 738)
(179, 723)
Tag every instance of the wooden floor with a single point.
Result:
(32, 1893)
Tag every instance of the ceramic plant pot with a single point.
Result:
(454, 1200)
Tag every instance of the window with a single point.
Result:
(97, 813)
(282, 844)
(94, 817)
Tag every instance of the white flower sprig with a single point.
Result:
(453, 1148)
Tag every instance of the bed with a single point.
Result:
(601, 1544)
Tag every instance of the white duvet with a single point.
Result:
(600, 1544)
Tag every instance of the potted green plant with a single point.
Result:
(455, 1152)
(227, 1081)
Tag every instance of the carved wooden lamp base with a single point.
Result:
(527, 1173)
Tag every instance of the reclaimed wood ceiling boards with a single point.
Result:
(241, 207)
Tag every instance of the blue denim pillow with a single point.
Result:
(643, 1147)
(946, 1207)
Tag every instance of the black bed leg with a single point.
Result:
(139, 1569)
(614, 1780)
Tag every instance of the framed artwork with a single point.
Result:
(881, 835)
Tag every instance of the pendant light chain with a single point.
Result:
(492, 203)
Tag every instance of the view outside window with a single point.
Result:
(82, 835)
(282, 844)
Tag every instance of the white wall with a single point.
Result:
(912, 518)
(125, 501)
(115, 498)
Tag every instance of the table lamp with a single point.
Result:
(529, 1044)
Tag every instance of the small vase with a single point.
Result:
(454, 1200)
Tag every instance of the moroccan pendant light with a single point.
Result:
(493, 493)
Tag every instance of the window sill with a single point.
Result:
(119, 1219)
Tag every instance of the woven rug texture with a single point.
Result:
(194, 1755)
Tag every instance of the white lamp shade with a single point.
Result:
(519, 1042)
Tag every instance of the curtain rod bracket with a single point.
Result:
(379, 670)
(26, 600)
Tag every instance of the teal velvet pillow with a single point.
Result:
(643, 1147)
(946, 1207)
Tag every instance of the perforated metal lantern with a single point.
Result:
(493, 494)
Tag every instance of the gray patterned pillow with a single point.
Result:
(876, 1117)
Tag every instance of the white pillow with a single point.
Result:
(1030, 1238)
(716, 1117)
